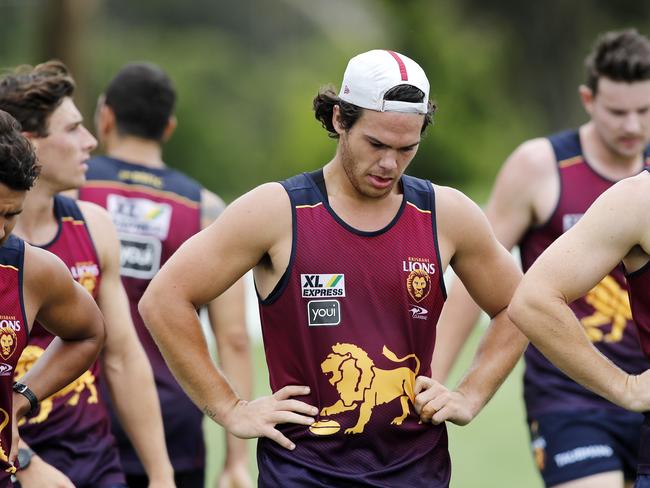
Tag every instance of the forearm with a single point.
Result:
(62, 362)
(133, 392)
(498, 353)
(175, 326)
(235, 360)
(554, 329)
(459, 316)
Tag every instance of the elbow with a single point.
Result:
(147, 307)
(518, 308)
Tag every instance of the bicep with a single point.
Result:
(486, 268)
(208, 263)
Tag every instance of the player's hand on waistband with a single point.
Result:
(259, 417)
(435, 403)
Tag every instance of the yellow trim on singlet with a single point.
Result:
(144, 189)
(71, 219)
(565, 163)
(309, 206)
(9, 266)
(418, 209)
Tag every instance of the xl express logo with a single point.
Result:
(322, 285)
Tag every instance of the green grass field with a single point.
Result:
(492, 451)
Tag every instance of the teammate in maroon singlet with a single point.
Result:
(348, 264)
(615, 228)
(71, 431)
(34, 284)
(578, 438)
(155, 209)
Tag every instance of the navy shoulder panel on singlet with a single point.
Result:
(419, 192)
(12, 252)
(303, 188)
(67, 207)
(110, 169)
(566, 144)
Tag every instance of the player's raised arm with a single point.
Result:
(251, 231)
(568, 269)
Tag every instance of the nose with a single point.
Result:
(632, 123)
(90, 143)
(388, 160)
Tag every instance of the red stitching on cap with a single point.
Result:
(402, 66)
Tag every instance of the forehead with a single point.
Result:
(66, 113)
(10, 200)
(624, 95)
(392, 128)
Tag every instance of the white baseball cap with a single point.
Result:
(370, 75)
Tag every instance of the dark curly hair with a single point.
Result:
(620, 56)
(327, 98)
(18, 168)
(32, 93)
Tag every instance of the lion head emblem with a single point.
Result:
(360, 384)
(88, 281)
(418, 284)
(8, 342)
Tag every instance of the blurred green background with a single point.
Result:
(246, 72)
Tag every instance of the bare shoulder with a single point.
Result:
(533, 159)
(43, 271)
(458, 216)
(94, 214)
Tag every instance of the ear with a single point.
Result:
(104, 119)
(336, 120)
(172, 123)
(587, 97)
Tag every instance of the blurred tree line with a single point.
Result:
(246, 72)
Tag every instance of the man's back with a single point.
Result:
(154, 210)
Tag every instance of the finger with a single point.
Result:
(435, 391)
(445, 413)
(421, 383)
(291, 390)
(290, 418)
(277, 436)
(297, 406)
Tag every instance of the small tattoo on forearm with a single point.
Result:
(210, 413)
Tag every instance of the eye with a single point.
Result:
(376, 144)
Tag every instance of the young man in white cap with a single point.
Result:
(348, 264)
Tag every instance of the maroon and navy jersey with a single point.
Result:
(604, 312)
(154, 211)
(639, 292)
(13, 339)
(354, 318)
(71, 429)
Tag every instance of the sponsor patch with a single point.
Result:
(583, 453)
(324, 312)
(139, 216)
(139, 256)
(322, 285)
(5, 369)
(418, 312)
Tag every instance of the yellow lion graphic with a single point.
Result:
(611, 306)
(85, 381)
(361, 384)
(3, 454)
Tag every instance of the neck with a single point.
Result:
(135, 150)
(37, 223)
(608, 162)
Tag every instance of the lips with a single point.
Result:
(380, 181)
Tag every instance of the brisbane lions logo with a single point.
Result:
(611, 308)
(418, 284)
(360, 384)
(8, 342)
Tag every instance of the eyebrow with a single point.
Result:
(377, 141)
